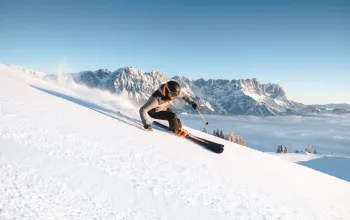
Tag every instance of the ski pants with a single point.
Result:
(174, 123)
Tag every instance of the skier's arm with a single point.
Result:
(149, 105)
(186, 98)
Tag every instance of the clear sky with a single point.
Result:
(303, 45)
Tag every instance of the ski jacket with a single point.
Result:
(159, 101)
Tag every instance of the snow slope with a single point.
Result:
(333, 165)
(35, 73)
(298, 157)
(65, 155)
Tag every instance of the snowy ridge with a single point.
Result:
(91, 162)
(224, 97)
(246, 97)
(331, 108)
(235, 97)
(249, 96)
(137, 85)
(35, 73)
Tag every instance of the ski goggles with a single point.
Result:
(174, 94)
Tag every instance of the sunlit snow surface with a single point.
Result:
(66, 153)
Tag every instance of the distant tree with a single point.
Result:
(216, 132)
(315, 151)
(221, 134)
(279, 149)
(230, 136)
(308, 149)
(297, 151)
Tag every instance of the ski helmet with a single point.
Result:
(173, 88)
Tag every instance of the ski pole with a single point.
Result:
(202, 117)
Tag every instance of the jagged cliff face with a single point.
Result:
(226, 97)
(137, 85)
(235, 97)
(246, 97)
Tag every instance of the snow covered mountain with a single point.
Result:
(87, 164)
(246, 97)
(235, 97)
(131, 82)
(333, 106)
(225, 97)
(330, 108)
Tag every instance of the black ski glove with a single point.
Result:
(194, 105)
(148, 127)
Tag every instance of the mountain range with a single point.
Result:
(214, 96)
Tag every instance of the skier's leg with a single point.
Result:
(162, 115)
(174, 122)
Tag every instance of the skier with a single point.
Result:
(157, 107)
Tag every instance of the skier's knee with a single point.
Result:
(173, 117)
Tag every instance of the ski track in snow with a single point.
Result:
(60, 159)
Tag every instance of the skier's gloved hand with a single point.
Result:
(194, 105)
(148, 127)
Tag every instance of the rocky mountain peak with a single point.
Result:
(214, 96)
(275, 91)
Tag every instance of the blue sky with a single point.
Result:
(301, 45)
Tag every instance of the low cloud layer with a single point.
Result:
(326, 133)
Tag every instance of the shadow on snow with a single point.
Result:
(107, 112)
(334, 166)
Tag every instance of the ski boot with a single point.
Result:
(181, 133)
